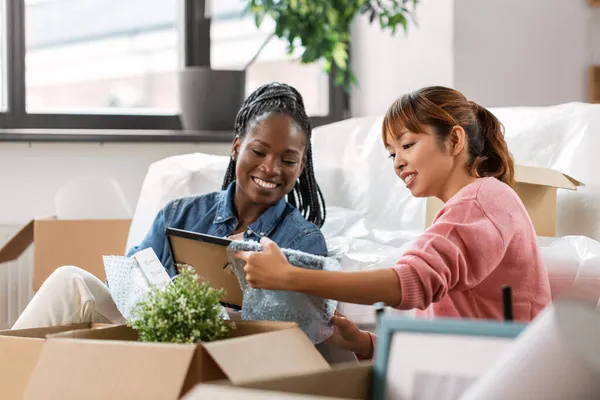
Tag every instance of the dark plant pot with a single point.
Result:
(210, 99)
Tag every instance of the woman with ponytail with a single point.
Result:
(441, 145)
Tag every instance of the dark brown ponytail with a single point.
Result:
(442, 109)
(495, 159)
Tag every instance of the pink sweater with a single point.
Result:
(481, 239)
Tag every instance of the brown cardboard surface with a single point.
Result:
(19, 352)
(17, 361)
(41, 333)
(540, 202)
(545, 177)
(105, 332)
(89, 369)
(80, 243)
(273, 349)
(263, 349)
(211, 263)
(349, 381)
(68, 242)
(537, 189)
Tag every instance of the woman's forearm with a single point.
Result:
(361, 287)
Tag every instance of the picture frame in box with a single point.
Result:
(430, 357)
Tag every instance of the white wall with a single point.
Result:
(525, 52)
(498, 52)
(388, 66)
(30, 174)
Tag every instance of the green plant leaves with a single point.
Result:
(182, 312)
(323, 26)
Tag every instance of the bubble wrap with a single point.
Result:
(312, 314)
(128, 284)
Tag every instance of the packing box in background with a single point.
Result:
(537, 188)
(68, 242)
(348, 381)
(19, 352)
(109, 363)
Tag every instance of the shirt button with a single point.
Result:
(262, 234)
(249, 232)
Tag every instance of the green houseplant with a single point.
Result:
(182, 312)
(322, 27)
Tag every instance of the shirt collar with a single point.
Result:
(263, 226)
(225, 207)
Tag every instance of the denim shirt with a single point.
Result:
(214, 214)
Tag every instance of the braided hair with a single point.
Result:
(275, 97)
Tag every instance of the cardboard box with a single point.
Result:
(107, 363)
(68, 242)
(537, 188)
(19, 352)
(348, 381)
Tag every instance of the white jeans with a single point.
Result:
(70, 295)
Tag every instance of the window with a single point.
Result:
(101, 56)
(3, 58)
(114, 64)
(235, 40)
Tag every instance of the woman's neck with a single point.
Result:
(247, 212)
(457, 180)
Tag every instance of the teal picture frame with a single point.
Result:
(389, 325)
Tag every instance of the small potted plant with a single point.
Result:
(210, 99)
(184, 311)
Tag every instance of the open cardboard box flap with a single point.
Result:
(68, 242)
(257, 350)
(343, 381)
(19, 353)
(349, 381)
(545, 177)
(17, 244)
(537, 189)
(262, 355)
(85, 368)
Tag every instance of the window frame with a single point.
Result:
(195, 34)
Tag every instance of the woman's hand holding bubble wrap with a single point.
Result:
(268, 269)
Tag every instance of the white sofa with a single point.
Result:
(371, 216)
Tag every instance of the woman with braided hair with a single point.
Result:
(282, 106)
(271, 161)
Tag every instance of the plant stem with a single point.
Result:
(260, 49)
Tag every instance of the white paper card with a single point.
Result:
(152, 267)
(425, 366)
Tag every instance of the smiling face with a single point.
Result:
(269, 159)
(421, 160)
